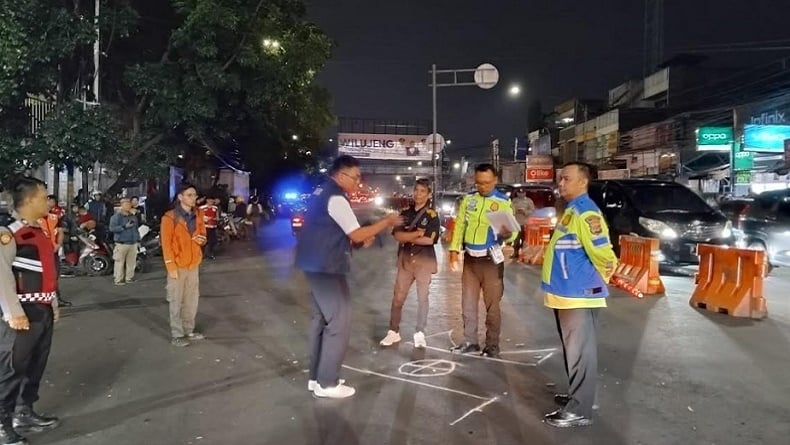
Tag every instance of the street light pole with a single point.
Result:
(433, 133)
(485, 76)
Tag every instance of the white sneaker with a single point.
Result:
(312, 384)
(419, 340)
(391, 338)
(334, 392)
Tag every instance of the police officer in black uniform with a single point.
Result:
(28, 300)
(416, 262)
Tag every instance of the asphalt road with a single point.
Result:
(669, 374)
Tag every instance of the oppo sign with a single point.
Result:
(714, 138)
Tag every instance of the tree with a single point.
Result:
(174, 74)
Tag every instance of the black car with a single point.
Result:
(764, 223)
(660, 209)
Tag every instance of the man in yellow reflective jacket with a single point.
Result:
(577, 266)
(483, 259)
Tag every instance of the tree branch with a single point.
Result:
(243, 38)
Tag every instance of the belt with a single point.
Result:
(126, 244)
(467, 256)
(37, 297)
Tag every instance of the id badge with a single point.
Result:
(496, 254)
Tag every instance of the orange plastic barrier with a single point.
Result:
(536, 239)
(730, 281)
(449, 224)
(637, 271)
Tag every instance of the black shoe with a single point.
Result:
(27, 419)
(64, 303)
(565, 419)
(491, 351)
(466, 347)
(563, 399)
(8, 436)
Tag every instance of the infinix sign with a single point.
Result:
(714, 138)
(775, 118)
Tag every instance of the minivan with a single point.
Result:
(666, 210)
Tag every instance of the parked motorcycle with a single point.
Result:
(86, 256)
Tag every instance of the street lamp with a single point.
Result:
(457, 165)
(515, 90)
(419, 163)
(397, 178)
(295, 137)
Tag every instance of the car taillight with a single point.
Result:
(742, 214)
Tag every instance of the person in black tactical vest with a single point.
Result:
(28, 300)
(416, 262)
(323, 252)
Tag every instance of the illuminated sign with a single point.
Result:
(714, 138)
(768, 138)
(540, 174)
(384, 146)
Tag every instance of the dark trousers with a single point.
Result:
(211, 240)
(23, 358)
(482, 274)
(330, 326)
(578, 330)
(519, 242)
(57, 271)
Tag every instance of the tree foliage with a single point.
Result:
(174, 74)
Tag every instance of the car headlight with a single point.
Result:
(447, 208)
(726, 232)
(378, 200)
(659, 227)
(553, 220)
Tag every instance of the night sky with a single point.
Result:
(554, 49)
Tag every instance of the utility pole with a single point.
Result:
(653, 35)
(96, 53)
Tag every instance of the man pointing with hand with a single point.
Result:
(323, 252)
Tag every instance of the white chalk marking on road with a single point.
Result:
(545, 357)
(474, 355)
(401, 379)
(435, 334)
(450, 336)
(436, 368)
(528, 351)
(478, 409)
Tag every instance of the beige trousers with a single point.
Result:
(183, 293)
(125, 256)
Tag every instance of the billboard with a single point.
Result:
(768, 138)
(400, 147)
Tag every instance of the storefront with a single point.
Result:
(762, 135)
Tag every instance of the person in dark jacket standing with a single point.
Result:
(123, 225)
(323, 252)
(28, 300)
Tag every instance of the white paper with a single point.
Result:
(503, 219)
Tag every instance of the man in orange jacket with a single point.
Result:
(183, 235)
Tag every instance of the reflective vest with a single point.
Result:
(34, 266)
(210, 216)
